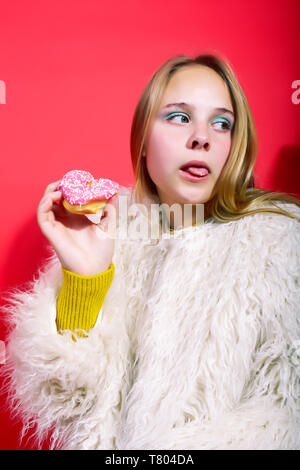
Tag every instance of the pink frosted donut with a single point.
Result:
(82, 191)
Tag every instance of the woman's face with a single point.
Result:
(195, 131)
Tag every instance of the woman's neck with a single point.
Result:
(186, 215)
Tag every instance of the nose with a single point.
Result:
(199, 139)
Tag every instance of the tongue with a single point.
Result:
(196, 171)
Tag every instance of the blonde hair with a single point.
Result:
(234, 195)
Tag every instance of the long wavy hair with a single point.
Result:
(234, 195)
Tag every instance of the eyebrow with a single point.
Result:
(186, 105)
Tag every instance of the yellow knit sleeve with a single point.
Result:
(80, 300)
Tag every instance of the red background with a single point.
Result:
(74, 71)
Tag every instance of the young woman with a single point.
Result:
(184, 340)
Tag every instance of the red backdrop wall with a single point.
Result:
(71, 73)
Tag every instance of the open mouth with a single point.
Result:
(195, 170)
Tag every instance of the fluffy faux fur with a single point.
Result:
(196, 345)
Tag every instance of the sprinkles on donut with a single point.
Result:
(83, 194)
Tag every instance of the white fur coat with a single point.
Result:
(197, 345)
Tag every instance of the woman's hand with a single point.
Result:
(81, 246)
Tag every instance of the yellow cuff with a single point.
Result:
(81, 298)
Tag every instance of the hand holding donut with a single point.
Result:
(82, 247)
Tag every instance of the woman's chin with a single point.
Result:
(184, 195)
(192, 198)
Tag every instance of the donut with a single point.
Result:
(83, 194)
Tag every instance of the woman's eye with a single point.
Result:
(173, 115)
(227, 124)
